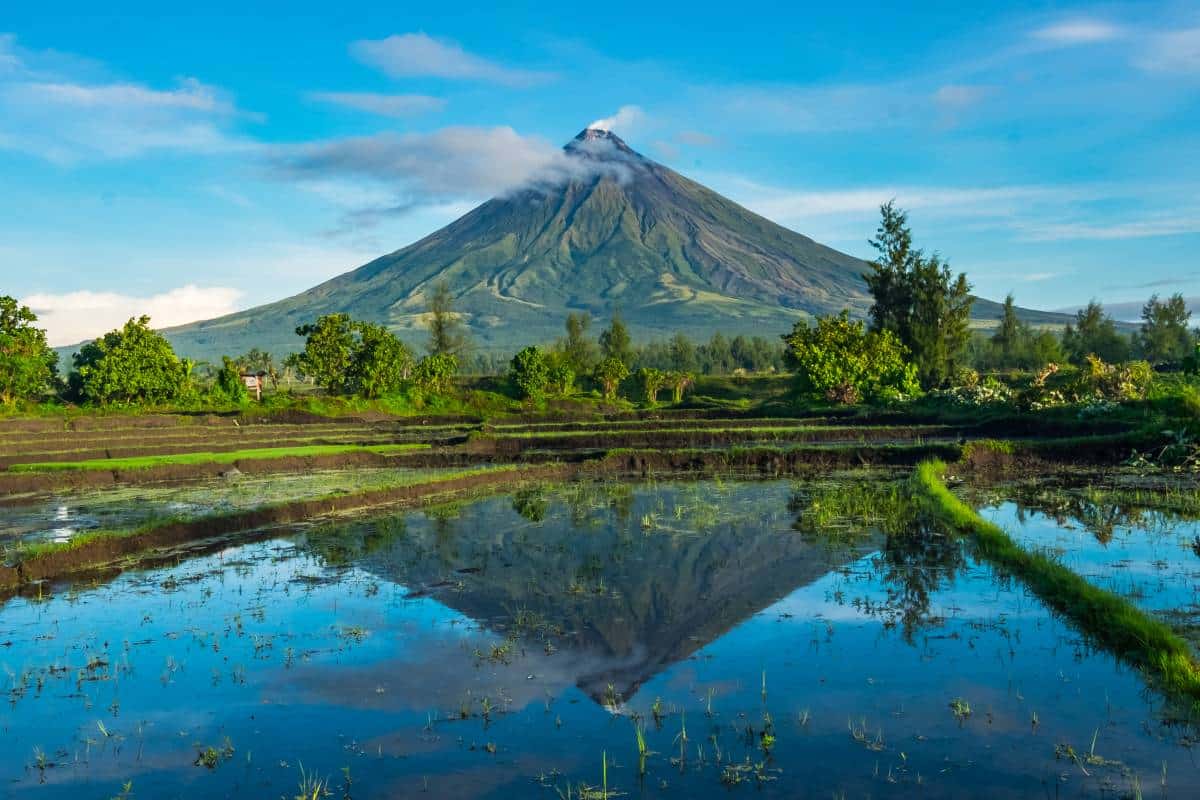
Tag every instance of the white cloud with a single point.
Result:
(1078, 31)
(695, 139)
(1174, 51)
(1170, 224)
(958, 96)
(65, 119)
(412, 55)
(626, 118)
(787, 204)
(386, 105)
(78, 316)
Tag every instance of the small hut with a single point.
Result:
(254, 383)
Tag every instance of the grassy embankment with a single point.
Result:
(259, 453)
(1118, 624)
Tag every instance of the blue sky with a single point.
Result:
(189, 163)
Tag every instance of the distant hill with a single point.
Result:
(614, 230)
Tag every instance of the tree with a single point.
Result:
(615, 341)
(381, 362)
(652, 381)
(530, 373)
(682, 353)
(609, 374)
(1094, 333)
(132, 364)
(562, 377)
(918, 299)
(838, 360)
(1008, 335)
(328, 352)
(447, 334)
(229, 382)
(434, 372)
(1164, 336)
(27, 364)
(679, 382)
(579, 350)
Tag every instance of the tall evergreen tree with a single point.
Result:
(447, 334)
(1164, 336)
(615, 341)
(577, 348)
(1009, 334)
(918, 299)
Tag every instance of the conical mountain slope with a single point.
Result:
(609, 229)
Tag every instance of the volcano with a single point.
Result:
(610, 229)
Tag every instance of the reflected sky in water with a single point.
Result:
(497, 648)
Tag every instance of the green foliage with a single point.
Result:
(1164, 337)
(434, 372)
(132, 364)
(328, 352)
(1098, 380)
(530, 372)
(27, 364)
(838, 360)
(447, 333)
(679, 383)
(229, 384)
(918, 299)
(381, 362)
(609, 373)
(561, 377)
(1094, 333)
(345, 356)
(615, 341)
(578, 350)
(652, 381)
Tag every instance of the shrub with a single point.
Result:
(434, 372)
(229, 382)
(838, 360)
(530, 373)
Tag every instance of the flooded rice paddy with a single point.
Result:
(58, 518)
(591, 640)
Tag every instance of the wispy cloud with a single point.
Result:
(77, 316)
(410, 55)
(696, 139)
(64, 119)
(385, 105)
(1162, 224)
(1078, 31)
(1172, 51)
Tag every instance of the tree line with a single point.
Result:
(916, 337)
